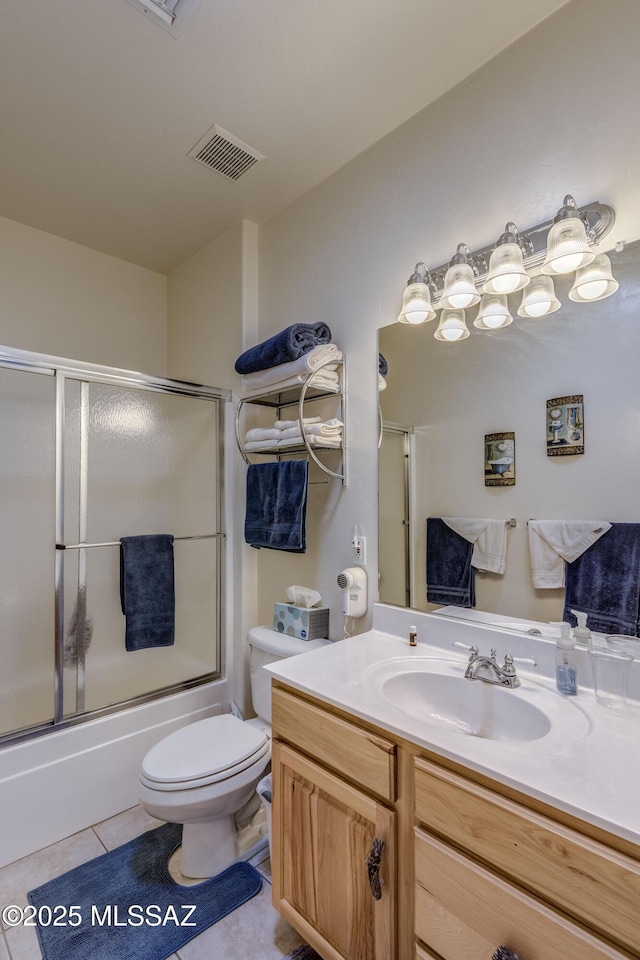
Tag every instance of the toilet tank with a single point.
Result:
(266, 646)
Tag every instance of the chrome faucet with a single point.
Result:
(489, 670)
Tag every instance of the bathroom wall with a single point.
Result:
(551, 115)
(212, 317)
(64, 299)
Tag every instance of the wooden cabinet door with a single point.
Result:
(323, 829)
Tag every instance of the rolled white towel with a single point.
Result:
(313, 441)
(324, 353)
(331, 428)
(265, 446)
(262, 433)
(287, 424)
(323, 380)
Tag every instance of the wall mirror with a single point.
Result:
(443, 399)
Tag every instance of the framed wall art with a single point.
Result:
(499, 460)
(565, 426)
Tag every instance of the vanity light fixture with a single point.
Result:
(557, 246)
(494, 312)
(539, 298)
(460, 281)
(452, 326)
(567, 243)
(594, 282)
(507, 272)
(416, 302)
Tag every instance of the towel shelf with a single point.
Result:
(299, 396)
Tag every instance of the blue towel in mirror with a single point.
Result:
(277, 505)
(450, 576)
(147, 591)
(288, 345)
(604, 582)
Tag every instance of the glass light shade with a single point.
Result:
(506, 270)
(452, 326)
(567, 247)
(539, 299)
(493, 312)
(459, 288)
(416, 304)
(594, 282)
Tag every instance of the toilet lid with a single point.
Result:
(202, 749)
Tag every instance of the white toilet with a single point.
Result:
(205, 773)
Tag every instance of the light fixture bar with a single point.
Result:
(160, 9)
(597, 217)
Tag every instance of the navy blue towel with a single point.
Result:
(288, 345)
(383, 366)
(604, 582)
(147, 593)
(277, 505)
(450, 576)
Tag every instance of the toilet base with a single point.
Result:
(208, 847)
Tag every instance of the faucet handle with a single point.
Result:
(464, 646)
(534, 663)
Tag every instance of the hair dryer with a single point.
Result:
(353, 583)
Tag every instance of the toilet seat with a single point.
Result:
(202, 753)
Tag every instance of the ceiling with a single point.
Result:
(99, 106)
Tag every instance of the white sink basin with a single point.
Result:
(436, 693)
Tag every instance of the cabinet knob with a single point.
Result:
(373, 869)
(502, 953)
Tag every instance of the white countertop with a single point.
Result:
(595, 777)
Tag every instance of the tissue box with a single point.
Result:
(307, 623)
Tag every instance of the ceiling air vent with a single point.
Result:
(224, 153)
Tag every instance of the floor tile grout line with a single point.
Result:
(6, 944)
(100, 841)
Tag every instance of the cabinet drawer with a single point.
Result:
(464, 912)
(585, 878)
(362, 757)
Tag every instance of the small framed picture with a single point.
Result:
(499, 460)
(565, 426)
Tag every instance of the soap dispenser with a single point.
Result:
(566, 661)
(581, 633)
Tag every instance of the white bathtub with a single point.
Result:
(63, 782)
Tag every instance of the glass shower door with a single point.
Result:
(27, 479)
(137, 462)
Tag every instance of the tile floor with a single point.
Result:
(253, 930)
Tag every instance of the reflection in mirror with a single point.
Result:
(443, 399)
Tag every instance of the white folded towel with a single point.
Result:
(489, 539)
(254, 446)
(304, 365)
(329, 428)
(323, 380)
(313, 441)
(287, 424)
(262, 433)
(552, 542)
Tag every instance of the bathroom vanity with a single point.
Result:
(505, 835)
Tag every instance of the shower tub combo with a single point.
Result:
(91, 454)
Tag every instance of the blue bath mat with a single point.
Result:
(124, 905)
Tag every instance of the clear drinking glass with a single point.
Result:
(624, 644)
(611, 670)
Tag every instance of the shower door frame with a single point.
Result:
(62, 370)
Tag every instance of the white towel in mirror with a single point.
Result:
(489, 539)
(552, 542)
